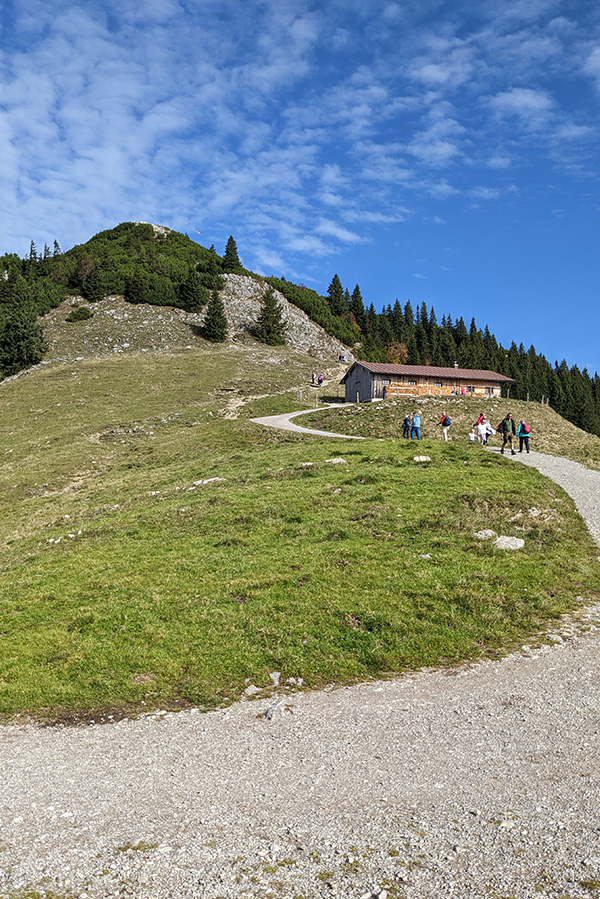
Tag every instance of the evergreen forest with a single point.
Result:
(167, 268)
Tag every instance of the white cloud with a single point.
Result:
(485, 193)
(532, 108)
(332, 229)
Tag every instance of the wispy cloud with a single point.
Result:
(304, 127)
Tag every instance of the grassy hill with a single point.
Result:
(158, 549)
(550, 432)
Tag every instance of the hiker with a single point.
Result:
(406, 423)
(445, 423)
(415, 426)
(314, 376)
(320, 379)
(479, 420)
(472, 435)
(485, 431)
(508, 431)
(523, 432)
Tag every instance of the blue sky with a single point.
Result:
(444, 152)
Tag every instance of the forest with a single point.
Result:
(167, 268)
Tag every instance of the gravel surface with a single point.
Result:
(480, 781)
(284, 423)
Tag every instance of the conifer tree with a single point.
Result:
(270, 327)
(21, 337)
(335, 292)
(215, 323)
(357, 308)
(231, 260)
(192, 294)
(93, 287)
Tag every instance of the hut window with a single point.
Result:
(385, 381)
(412, 383)
(437, 383)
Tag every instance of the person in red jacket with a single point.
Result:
(445, 423)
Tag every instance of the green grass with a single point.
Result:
(169, 593)
(550, 433)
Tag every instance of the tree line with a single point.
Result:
(170, 269)
(413, 335)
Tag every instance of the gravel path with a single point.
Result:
(483, 781)
(285, 423)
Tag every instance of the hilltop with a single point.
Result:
(152, 265)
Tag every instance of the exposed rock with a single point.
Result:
(486, 534)
(422, 459)
(242, 299)
(121, 327)
(504, 542)
(276, 710)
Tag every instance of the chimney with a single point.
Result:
(456, 365)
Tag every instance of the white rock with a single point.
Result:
(486, 534)
(275, 675)
(251, 689)
(504, 542)
(336, 461)
(422, 459)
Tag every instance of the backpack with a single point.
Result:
(525, 427)
(446, 421)
(499, 428)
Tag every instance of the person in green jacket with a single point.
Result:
(508, 431)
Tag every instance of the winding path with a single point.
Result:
(285, 423)
(484, 783)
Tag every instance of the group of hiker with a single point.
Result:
(481, 431)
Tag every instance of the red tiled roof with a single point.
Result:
(387, 368)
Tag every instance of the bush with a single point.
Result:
(79, 314)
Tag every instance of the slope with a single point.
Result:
(155, 552)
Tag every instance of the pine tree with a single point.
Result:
(93, 287)
(21, 337)
(231, 260)
(192, 294)
(215, 323)
(335, 292)
(57, 250)
(270, 327)
(357, 308)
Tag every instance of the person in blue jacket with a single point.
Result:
(523, 432)
(415, 427)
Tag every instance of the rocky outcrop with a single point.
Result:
(242, 298)
(119, 327)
